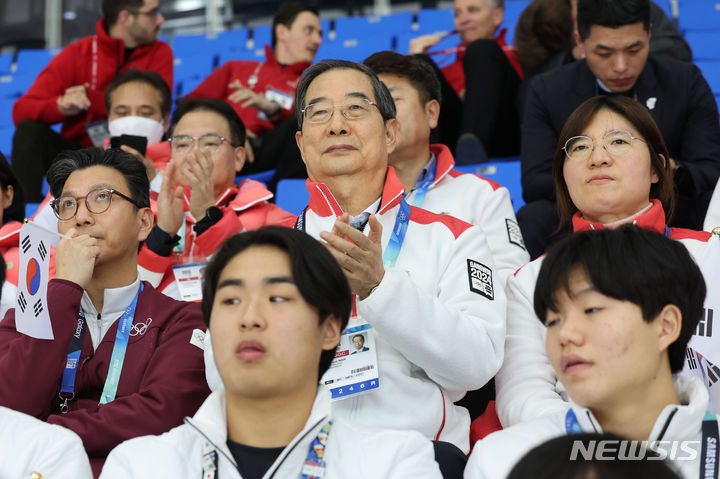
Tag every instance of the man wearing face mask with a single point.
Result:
(138, 104)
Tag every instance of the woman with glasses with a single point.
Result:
(611, 167)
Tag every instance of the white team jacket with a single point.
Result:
(29, 445)
(480, 202)
(351, 452)
(526, 385)
(494, 456)
(438, 332)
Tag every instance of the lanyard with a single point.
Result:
(420, 191)
(314, 466)
(396, 239)
(709, 456)
(67, 390)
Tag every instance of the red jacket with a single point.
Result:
(244, 207)
(455, 75)
(74, 66)
(162, 379)
(9, 241)
(269, 75)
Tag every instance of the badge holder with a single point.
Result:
(98, 133)
(354, 370)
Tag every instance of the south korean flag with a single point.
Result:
(31, 312)
(706, 339)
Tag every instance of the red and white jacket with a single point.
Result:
(244, 207)
(436, 337)
(480, 202)
(95, 61)
(526, 386)
(260, 77)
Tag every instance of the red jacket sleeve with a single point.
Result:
(215, 85)
(40, 101)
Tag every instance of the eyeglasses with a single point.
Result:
(352, 109)
(96, 201)
(183, 143)
(615, 142)
(150, 13)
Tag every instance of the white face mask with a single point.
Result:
(137, 126)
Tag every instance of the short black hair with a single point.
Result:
(214, 105)
(16, 210)
(316, 273)
(551, 460)
(611, 14)
(148, 77)
(383, 99)
(420, 75)
(127, 165)
(628, 264)
(112, 8)
(287, 13)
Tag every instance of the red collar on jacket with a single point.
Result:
(445, 161)
(653, 220)
(323, 203)
(110, 46)
(270, 59)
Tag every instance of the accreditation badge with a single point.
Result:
(354, 370)
(188, 280)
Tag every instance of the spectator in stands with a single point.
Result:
(276, 303)
(619, 307)
(486, 76)
(546, 36)
(262, 93)
(611, 168)
(138, 103)
(12, 214)
(70, 89)
(615, 36)
(426, 171)
(102, 203)
(199, 204)
(34, 449)
(422, 280)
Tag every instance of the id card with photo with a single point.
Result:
(354, 370)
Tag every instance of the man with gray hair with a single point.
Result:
(424, 287)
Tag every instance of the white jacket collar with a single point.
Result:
(115, 300)
(674, 422)
(210, 421)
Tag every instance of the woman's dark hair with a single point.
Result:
(16, 210)
(552, 460)
(543, 30)
(628, 264)
(315, 272)
(641, 119)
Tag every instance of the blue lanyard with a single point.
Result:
(67, 389)
(667, 231)
(421, 191)
(398, 235)
(709, 456)
(314, 466)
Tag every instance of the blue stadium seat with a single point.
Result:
(292, 195)
(513, 9)
(700, 15)
(261, 176)
(5, 63)
(31, 62)
(14, 86)
(6, 134)
(6, 105)
(431, 20)
(351, 27)
(704, 45)
(30, 209)
(262, 35)
(354, 49)
(507, 173)
(188, 45)
(190, 70)
(711, 72)
(257, 54)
